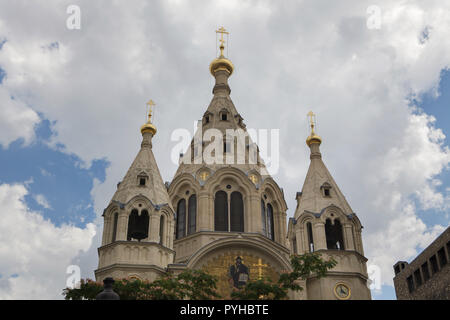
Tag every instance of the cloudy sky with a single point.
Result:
(72, 101)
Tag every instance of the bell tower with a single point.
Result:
(138, 225)
(325, 223)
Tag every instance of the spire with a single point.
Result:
(145, 168)
(221, 67)
(313, 197)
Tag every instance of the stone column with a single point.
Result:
(320, 240)
(106, 229)
(203, 220)
(255, 205)
(299, 239)
(348, 237)
(122, 226)
(153, 227)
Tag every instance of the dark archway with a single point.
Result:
(221, 211)
(333, 233)
(192, 214)
(138, 225)
(270, 226)
(237, 212)
(181, 219)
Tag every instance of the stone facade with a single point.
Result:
(212, 213)
(427, 277)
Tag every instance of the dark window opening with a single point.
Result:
(326, 192)
(142, 181)
(263, 218)
(270, 226)
(418, 278)
(425, 272)
(310, 237)
(221, 211)
(192, 214)
(181, 219)
(448, 248)
(237, 212)
(207, 119)
(161, 230)
(434, 264)
(294, 245)
(410, 282)
(335, 239)
(138, 225)
(114, 234)
(224, 117)
(397, 269)
(227, 147)
(442, 257)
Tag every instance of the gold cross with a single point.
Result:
(312, 120)
(222, 31)
(260, 265)
(150, 105)
(204, 175)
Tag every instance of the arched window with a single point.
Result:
(114, 231)
(310, 237)
(237, 212)
(192, 214)
(333, 233)
(138, 225)
(181, 219)
(263, 218)
(221, 211)
(161, 230)
(270, 227)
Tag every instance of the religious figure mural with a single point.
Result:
(239, 273)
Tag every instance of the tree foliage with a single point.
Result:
(190, 284)
(199, 285)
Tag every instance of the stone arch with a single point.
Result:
(108, 223)
(233, 174)
(180, 184)
(272, 195)
(280, 261)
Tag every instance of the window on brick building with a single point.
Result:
(410, 283)
(425, 272)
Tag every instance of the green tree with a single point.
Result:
(303, 266)
(190, 284)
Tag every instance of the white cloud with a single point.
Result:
(17, 120)
(34, 253)
(42, 201)
(290, 57)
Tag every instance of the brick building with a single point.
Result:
(427, 277)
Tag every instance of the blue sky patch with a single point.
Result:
(54, 176)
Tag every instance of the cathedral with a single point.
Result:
(229, 218)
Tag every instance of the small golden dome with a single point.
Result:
(148, 127)
(313, 139)
(221, 63)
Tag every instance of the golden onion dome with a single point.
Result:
(148, 127)
(221, 63)
(313, 138)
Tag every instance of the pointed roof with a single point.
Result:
(221, 68)
(312, 199)
(144, 166)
